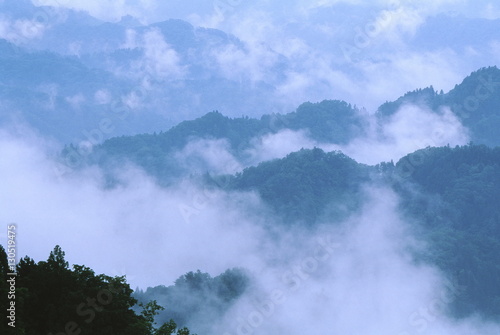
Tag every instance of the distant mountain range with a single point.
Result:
(65, 73)
(124, 94)
(474, 102)
(450, 194)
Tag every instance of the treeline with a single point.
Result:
(454, 195)
(327, 121)
(196, 299)
(307, 186)
(475, 102)
(451, 195)
(52, 298)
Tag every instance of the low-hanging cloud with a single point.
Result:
(356, 276)
(208, 156)
(409, 129)
(20, 31)
(151, 234)
(159, 61)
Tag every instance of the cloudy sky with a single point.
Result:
(209, 12)
(363, 52)
(358, 51)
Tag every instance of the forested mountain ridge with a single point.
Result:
(196, 298)
(456, 207)
(233, 162)
(328, 121)
(451, 195)
(475, 102)
(301, 186)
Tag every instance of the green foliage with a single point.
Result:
(454, 193)
(196, 297)
(52, 298)
(331, 121)
(167, 328)
(149, 311)
(327, 121)
(170, 327)
(301, 186)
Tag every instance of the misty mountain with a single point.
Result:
(172, 70)
(196, 299)
(62, 98)
(474, 101)
(325, 123)
(328, 121)
(301, 186)
(453, 194)
(250, 140)
(450, 195)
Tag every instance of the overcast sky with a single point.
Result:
(280, 11)
(154, 234)
(357, 51)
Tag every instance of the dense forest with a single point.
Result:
(453, 194)
(329, 121)
(197, 298)
(249, 167)
(450, 195)
(52, 298)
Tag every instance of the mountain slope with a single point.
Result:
(453, 197)
(475, 102)
(328, 121)
(306, 186)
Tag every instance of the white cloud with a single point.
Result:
(160, 60)
(76, 100)
(153, 234)
(326, 278)
(208, 156)
(132, 100)
(409, 129)
(130, 39)
(238, 64)
(277, 145)
(495, 51)
(51, 91)
(102, 97)
(391, 76)
(20, 31)
(353, 278)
